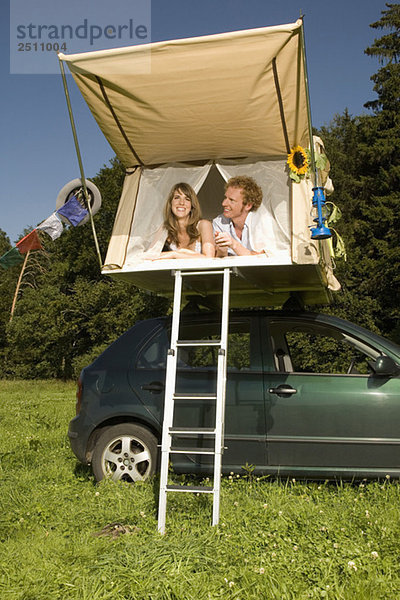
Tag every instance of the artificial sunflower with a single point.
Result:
(298, 162)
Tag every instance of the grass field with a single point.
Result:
(276, 539)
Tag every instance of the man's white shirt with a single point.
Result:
(225, 225)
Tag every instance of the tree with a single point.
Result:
(365, 156)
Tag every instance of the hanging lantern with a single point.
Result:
(320, 214)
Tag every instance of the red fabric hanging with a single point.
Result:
(29, 242)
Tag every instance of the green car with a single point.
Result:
(308, 395)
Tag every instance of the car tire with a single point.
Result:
(71, 188)
(126, 452)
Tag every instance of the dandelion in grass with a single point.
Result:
(387, 476)
(352, 565)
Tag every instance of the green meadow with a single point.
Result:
(65, 537)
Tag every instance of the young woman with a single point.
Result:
(189, 236)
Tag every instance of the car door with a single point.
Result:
(245, 408)
(197, 373)
(325, 409)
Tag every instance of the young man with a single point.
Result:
(232, 229)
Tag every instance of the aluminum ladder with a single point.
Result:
(171, 397)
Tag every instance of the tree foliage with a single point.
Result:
(365, 156)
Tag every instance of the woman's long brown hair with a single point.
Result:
(170, 220)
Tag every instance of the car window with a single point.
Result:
(207, 356)
(154, 353)
(317, 348)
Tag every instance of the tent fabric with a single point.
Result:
(116, 252)
(201, 98)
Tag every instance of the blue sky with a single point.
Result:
(37, 151)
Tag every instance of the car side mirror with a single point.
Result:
(384, 365)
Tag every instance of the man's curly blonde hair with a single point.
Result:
(251, 191)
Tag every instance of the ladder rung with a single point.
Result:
(181, 343)
(190, 488)
(181, 396)
(213, 272)
(192, 431)
(179, 450)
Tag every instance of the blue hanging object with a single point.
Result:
(320, 214)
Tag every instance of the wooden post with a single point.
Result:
(18, 285)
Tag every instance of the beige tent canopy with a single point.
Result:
(201, 110)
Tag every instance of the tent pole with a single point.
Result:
(21, 274)
(78, 154)
(310, 132)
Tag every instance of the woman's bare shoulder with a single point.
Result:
(204, 224)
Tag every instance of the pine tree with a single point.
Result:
(380, 150)
(365, 157)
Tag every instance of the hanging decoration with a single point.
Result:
(70, 210)
(52, 226)
(299, 163)
(320, 214)
(15, 256)
(29, 242)
(11, 258)
(73, 211)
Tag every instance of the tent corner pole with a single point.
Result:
(79, 157)
(310, 132)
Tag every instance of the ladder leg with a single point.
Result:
(221, 393)
(168, 404)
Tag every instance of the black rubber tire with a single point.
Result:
(118, 449)
(74, 186)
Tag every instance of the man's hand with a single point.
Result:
(223, 241)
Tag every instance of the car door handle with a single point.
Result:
(155, 386)
(282, 390)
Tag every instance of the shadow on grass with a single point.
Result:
(84, 473)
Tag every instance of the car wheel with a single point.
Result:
(125, 452)
(74, 187)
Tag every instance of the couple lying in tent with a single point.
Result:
(189, 236)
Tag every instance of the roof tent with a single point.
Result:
(201, 110)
